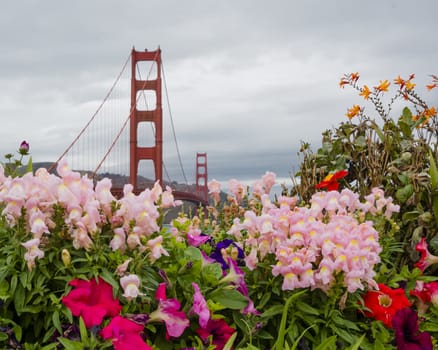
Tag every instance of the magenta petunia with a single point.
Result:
(125, 334)
(200, 306)
(219, 330)
(169, 312)
(92, 300)
(426, 258)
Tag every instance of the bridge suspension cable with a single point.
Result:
(94, 115)
(173, 127)
(127, 120)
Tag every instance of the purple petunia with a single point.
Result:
(222, 249)
(407, 337)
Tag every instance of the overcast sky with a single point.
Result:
(247, 80)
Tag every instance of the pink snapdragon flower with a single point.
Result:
(168, 200)
(37, 223)
(33, 252)
(237, 189)
(130, 285)
(169, 312)
(156, 248)
(268, 180)
(214, 189)
(125, 334)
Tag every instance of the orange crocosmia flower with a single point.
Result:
(409, 85)
(343, 82)
(330, 182)
(383, 86)
(399, 81)
(430, 112)
(365, 92)
(412, 76)
(353, 111)
(354, 76)
(431, 86)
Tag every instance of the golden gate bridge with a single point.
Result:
(128, 142)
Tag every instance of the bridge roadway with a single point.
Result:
(180, 195)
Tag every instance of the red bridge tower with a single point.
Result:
(154, 153)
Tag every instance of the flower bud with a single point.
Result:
(24, 148)
(66, 258)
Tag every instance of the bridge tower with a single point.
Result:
(154, 153)
(201, 176)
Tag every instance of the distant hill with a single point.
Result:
(119, 181)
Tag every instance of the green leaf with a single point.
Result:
(19, 297)
(229, 344)
(327, 344)
(360, 142)
(356, 345)
(410, 216)
(378, 131)
(307, 309)
(29, 166)
(212, 272)
(231, 299)
(193, 253)
(429, 327)
(56, 321)
(83, 330)
(433, 172)
(70, 344)
(295, 344)
(273, 311)
(404, 193)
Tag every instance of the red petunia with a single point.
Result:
(384, 303)
(330, 182)
(93, 300)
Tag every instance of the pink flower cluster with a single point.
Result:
(86, 210)
(315, 244)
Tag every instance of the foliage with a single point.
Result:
(396, 154)
(312, 269)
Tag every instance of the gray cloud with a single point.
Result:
(246, 80)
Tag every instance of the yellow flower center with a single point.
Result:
(385, 300)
